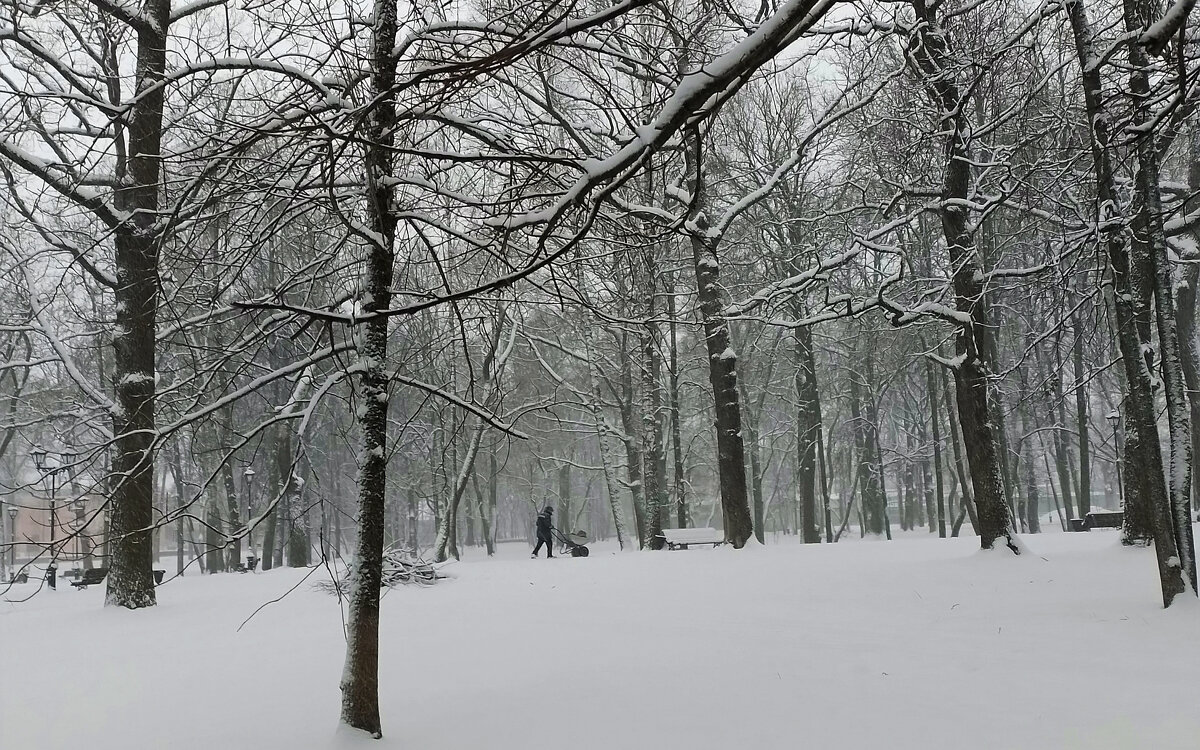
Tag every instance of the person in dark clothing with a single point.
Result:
(544, 526)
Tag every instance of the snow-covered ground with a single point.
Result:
(917, 643)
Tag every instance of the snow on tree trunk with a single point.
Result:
(130, 580)
(722, 375)
(442, 548)
(929, 50)
(1148, 237)
(1146, 497)
(1186, 310)
(608, 459)
(722, 361)
(360, 677)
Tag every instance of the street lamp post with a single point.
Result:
(1115, 417)
(3, 536)
(248, 475)
(49, 465)
(179, 538)
(80, 509)
(12, 538)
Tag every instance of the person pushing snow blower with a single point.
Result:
(545, 529)
(576, 543)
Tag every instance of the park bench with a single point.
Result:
(92, 576)
(249, 566)
(683, 538)
(1112, 519)
(89, 577)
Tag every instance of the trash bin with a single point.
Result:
(52, 576)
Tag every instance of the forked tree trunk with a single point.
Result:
(1147, 497)
(1149, 238)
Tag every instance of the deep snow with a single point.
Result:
(916, 643)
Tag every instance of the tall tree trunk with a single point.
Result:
(1028, 474)
(935, 423)
(756, 471)
(653, 429)
(608, 460)
(564, 497)
(722, 359)
(360, 678)
(873, 504)
(633, 455)
(1148, 237)
(960, 464)
(974, 346)
(808, 434)
(1062, 448)
(1081, 416)
(1147, 494)
(681, 507)
(445, 546)
(130, 580)
(1186, 310)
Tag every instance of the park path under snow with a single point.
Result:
(917, 643)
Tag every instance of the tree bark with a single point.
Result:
(1147, 496)
(633, 455)
(608, 461)
(130, 580)
(653, 429)
(1149, 239)
(360, 678)
(808, 435)
(722, 376)
(681, 507)
(873, 504)
(935, 423)
(1081, 416)
(975, 351)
